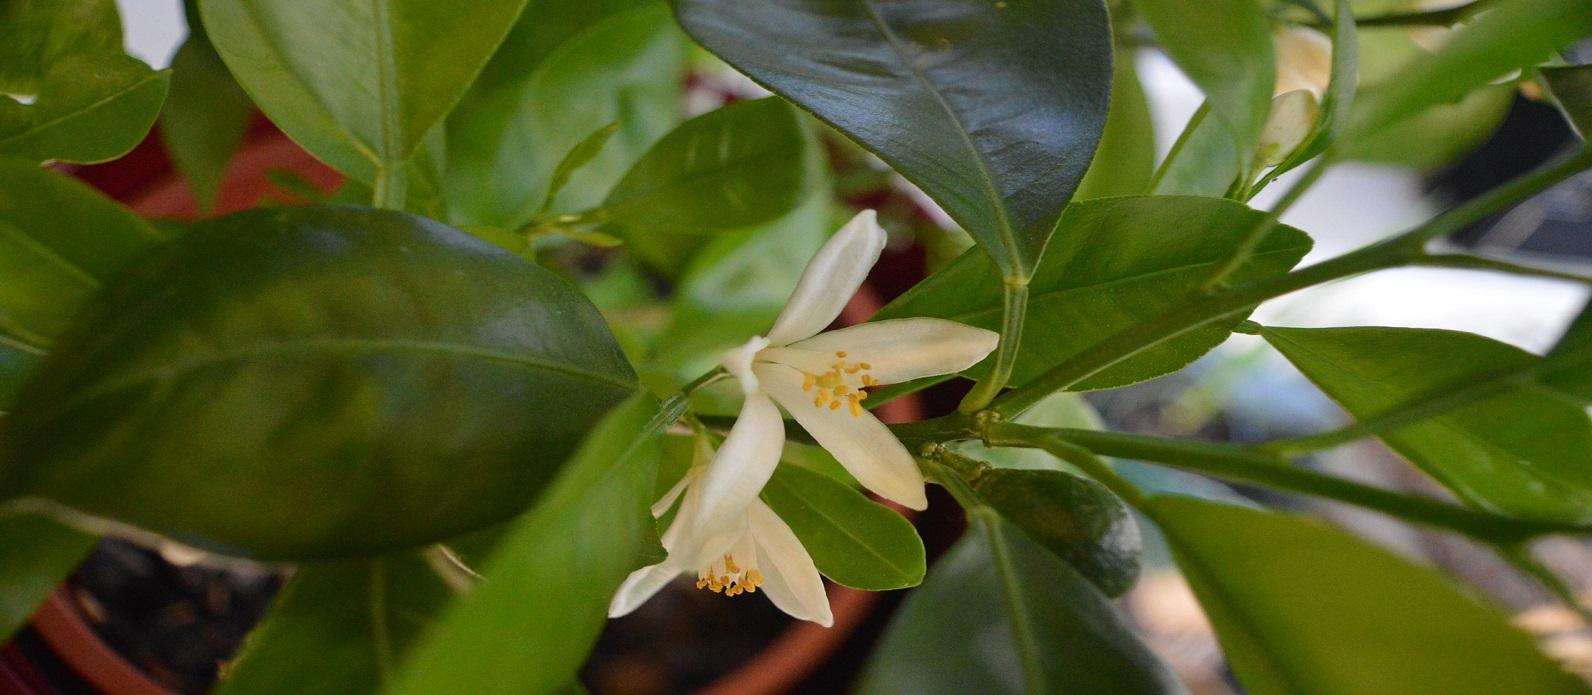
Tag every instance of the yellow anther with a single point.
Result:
(842, 390)
(754, 577)
(729, 564)
(865, 365)
(834, 404)
(807, 381)
(841, 355)
(702, 583)
(862, 395)
(856, 409)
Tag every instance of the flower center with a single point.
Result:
(726, 577)
(843, 384)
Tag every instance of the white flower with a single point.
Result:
(734, 542)
(820, 379)
(762, 554)
(1304, 60)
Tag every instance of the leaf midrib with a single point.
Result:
(1003, 225)
(1442, 421)
(329, 346)
(816, 510)
(75, 113)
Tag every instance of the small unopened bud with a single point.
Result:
(1293, 116)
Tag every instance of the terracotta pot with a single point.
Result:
(145, 182)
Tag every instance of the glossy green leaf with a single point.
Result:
(36, 34)
(530, 625)
(999, 614)
(854, 541)
(1522, 450)
(205, 116)
(1438, 134)
(1513, 34)
(1125, 159)
(60, 240)
(315, 382)
(1301, 607)
(741, 165)
(359, 85)
(1076, 518)
(1203, 162)
(91, 107)
(565, 68)
(36, 555)
(1116, 262)
(338, 627)
(1224, 46)
(992, 109)
(1571, 86)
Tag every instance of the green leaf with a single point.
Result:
(1116, 262)
(741, 165)
(205, 117)
(999, 614)
(1224, 46)
(1572, 372)
(36, 555)
(530, 625)
(580, 155)
(1438, 134)
(37, 35)
(1571, 86)
(91, 108)
(1203, 161)
(1301, 607)
(993, 109)
(339, 627)
(1076, 518)
(60, 240)
(1513, 34)
(1521, 450)
(564, 68)
(1125, 159)
(315, 382)
(359, 85)
(854, 541)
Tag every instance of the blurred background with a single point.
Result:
(177, 622)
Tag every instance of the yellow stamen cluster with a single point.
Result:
(832, 391)
(726, 577)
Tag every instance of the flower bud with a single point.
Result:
(1293, 116)
(1304, 60)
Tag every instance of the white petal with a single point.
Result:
(861, 443)
(830, 279)
(738, 472)
(789, 576)
(897, 350)
(1304, 60)
(738, 362)
(641, 585)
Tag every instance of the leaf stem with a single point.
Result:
(1014, 308)
(387, 192)
(1245, 465)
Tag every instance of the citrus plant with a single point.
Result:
(552, 347)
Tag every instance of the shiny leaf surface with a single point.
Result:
(91, 108)
(854, 541)
(993, 109)
(1116, 262)
(315, 382)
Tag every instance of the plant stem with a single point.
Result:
(1251, 241)
(1200, 311)
(1469, 262)
(1014, 307)
(675, 406)
(1245, 465)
